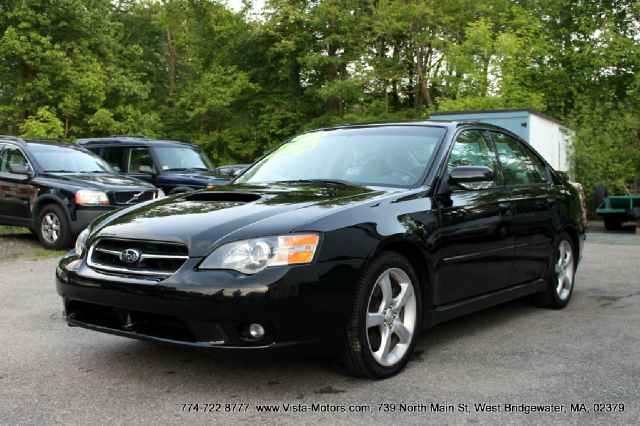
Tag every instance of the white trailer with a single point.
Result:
(550, 137)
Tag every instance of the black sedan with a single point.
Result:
(345, 241)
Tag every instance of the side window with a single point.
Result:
(138, 157)
(472, 148)
(11, 155)
(115, 157)
(519, 165)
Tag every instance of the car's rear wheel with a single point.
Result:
(561, 277)
(613, 222)
(385, 319)
(53, 228)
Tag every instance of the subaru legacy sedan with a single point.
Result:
(345, 242)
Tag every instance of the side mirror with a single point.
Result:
(235, 173)
(20, 169)
(148, 170)
(472, 177)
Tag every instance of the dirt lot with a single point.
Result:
(511, 354)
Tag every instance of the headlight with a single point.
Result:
(160, 194)
(251, 256)
(80, 242)
(87, 196)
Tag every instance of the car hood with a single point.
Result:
(102, 181)
(201, 176)
(201, 220)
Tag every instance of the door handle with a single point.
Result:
(551, 201)
(505, 208)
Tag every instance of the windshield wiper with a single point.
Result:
(60, 171)
(322, 181)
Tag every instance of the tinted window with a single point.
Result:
(519, 165)
(11, 155)
(182, 158)
(387, 155)
(138, 157)
(471, 148)
(115, 157)
(68, 160)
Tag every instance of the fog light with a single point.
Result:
(256, 331)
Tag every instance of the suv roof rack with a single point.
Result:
(51, 141)
(129, 136)
(12, 138)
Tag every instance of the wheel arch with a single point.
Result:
(574, 239)
(45, 201)
(420, 262)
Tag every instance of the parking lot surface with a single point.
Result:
(512, 354)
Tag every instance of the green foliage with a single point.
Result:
(44, 124)
(607, 147)
(195, 70)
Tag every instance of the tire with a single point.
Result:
(599, 194)
(612, 223)
(560, 277)
(363, 353)
(53, 229)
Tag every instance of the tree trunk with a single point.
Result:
(171, 50)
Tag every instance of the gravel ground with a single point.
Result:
(511, 354)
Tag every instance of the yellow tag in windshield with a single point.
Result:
(301, 144)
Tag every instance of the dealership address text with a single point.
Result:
(392, 407)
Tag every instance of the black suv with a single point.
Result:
(172, 166)
(56, 190)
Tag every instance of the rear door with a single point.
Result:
(115, 156)
(529, 181)
(476, 244)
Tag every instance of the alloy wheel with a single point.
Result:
(50, 227)
(564, 270)
(391, 316)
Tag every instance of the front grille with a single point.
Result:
(145, 258)
(132, 197)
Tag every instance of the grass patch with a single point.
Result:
(12, 256)
(40, 254)
(13, 230)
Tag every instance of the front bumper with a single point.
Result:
(84, 216)
(304, 309)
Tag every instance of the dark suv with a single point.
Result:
(172, 166)
(56, 190)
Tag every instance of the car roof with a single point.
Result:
(419, 122)
(129, 140)
(39, 144)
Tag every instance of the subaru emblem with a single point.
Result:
(130, 255)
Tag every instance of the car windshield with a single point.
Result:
(376, 156)
(179, 158)
(68, 160)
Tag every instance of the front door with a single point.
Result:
(15, 191)
(476, 244)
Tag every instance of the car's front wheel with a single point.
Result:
(53, 228)
(385, 319)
